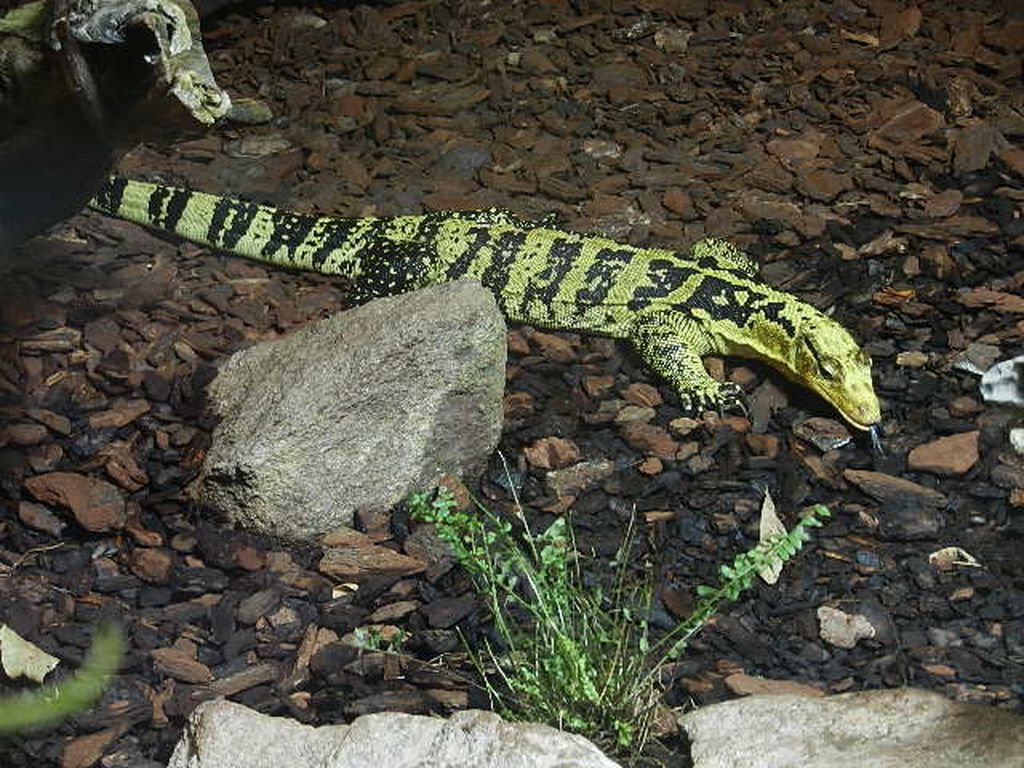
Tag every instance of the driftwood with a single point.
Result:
(81, 81)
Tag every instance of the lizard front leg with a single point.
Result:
(672, 345)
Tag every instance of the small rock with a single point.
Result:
(59, 424)
(552, 453)
(944, 204)
(152, 564)
(684, 425)
(517, 405)
(24, 434)
(679, 202)
(574, 480)
(596, 386)
(258, 604)
(124, 412)
(635, 413)
(822, 185)
(393, 612)
(555, 348)
(964, 407)
(650, 466)
(351, 556)
(743, 684)
(912, 359)
(649, 439)
(177, 664)
(953, 455)
(40, 518)
(642, 394)
(96, 504)
(842, 629)
(763, 445)
(86, 751)
(888, 488)
(824, 434)
(446, 612)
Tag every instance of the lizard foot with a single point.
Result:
(720, 397)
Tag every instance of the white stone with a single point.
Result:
(221, 734)
(903, 728)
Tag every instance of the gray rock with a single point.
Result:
(220, 734)
(357, 411)
(904, 728)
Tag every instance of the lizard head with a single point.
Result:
(829, 361)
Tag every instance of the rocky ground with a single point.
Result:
(868, 154)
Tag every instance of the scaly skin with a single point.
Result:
(674, 307)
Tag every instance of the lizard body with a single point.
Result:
(675, 307)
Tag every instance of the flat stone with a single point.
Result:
(39, 517)
(952, 455)
(573, 480)
(152, 564)
(743, 684)
(552, 453)
(888, 488)
(902, 728)
(221, 734)
(96, 504)
(649, 439)
(352, 556)
(177, 664)
(822, 185)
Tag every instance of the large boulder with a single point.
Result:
(220, 734)
(904, 728)
(356, 411)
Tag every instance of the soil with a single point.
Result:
(868, 154)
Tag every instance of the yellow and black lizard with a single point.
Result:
(675, 307)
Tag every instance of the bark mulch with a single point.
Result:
(868, 154)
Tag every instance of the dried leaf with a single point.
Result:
(21, 658)
(771, 528)
(947, 558)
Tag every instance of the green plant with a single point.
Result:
(49, 705)
(577, 657)
(372, 639)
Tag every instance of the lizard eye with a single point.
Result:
(826, 366)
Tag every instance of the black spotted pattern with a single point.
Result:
(544, 286)
(602, 274)
(736, 302)
(664, 276)
(241, 214)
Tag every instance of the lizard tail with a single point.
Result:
(300, 241)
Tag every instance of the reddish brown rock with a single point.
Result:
(351, 555)
(152, 564)
(97, 505)
(953, 455)
(124, 412)
(649, 439)
(822, 185)
(179, 665)
(554, 348)
(642, 394)
(596, 386)
(552, 453)
(743, 684)
(763, 445)
(39, 517)
(86, 751)
(23, 434)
